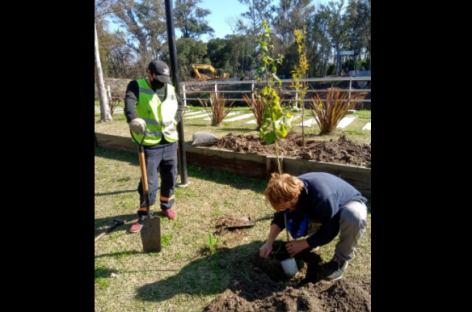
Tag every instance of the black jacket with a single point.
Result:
(321, 199)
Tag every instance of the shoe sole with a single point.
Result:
(335, 279)
(169, 217)
(162, 215)
(136, 230)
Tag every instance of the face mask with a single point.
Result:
(156, 84)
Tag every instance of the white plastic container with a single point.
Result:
(290, 267)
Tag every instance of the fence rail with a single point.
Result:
(184, 85)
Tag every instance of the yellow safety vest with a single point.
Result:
(159, 117)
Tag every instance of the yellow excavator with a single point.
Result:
(216, 73)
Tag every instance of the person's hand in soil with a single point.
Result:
(296, 246)
(265, 250)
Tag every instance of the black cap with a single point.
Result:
(161, 70)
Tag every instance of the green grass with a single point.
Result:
(181, 276)
(353, 131)
(165, 239)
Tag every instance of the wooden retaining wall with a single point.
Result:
(251, 164)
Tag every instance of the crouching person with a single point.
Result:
(318, 206)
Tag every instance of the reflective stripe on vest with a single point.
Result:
(159, 117)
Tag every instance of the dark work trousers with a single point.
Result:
(165, 160)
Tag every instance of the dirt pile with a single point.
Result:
(341, 295)
(342, 151)
(260, 285)
(227, 221)
(203, 77)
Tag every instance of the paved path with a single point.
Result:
(196, 116)
(230, 114)
(346, 121)
(307, 122)
(240, 117)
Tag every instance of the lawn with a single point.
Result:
(184, 276)
(353, 131)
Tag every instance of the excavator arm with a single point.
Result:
(195, 69)
(214, 72)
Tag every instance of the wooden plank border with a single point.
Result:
(251, 164)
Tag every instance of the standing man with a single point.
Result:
(151, 105)
(321, 206)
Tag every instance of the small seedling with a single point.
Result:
(246, 275)
(212, 241)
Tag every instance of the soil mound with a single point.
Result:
(252, 289)
(343, 150)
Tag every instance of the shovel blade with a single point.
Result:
(151, 234)
(248, 221)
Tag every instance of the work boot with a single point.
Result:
(137, 226)
(169, 213)
(334, 269)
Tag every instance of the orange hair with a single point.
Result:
(282, 186)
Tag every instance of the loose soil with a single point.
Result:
(203, 77)
(228, 221)
(342, 151)
(261, 285)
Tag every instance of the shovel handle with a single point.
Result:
(264, 217)
(142, 165)
(104, 233)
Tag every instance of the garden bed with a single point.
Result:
(250, 157)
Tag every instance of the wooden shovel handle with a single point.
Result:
(264, 217)
(104, 233)
(142, 164)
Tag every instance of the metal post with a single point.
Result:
(252, 91)
(350, 87)
(185, 96)
(175, 81)
(337, 64)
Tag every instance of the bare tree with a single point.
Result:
(102, 8)
(232, 22)
(191, 20)
(258, 10)
(290, 15)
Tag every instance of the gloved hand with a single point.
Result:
(137, 125)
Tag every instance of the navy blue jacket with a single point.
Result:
(321, 199)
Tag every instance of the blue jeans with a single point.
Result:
(165, 160)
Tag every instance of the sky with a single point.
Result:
(220, 11)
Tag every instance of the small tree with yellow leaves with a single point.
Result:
(275, 122)
(299, 72)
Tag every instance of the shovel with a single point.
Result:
(115, 223)
(151, 230)
(249, 222)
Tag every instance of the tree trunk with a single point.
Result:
(102, 97)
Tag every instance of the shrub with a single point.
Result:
(217, 109)
(329, 113)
